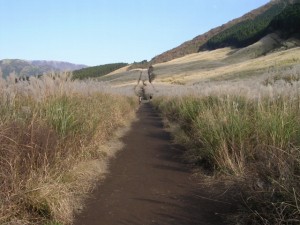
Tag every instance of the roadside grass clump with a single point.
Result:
(253, 140)
(214, 128)
(276, 162)
(53, 133)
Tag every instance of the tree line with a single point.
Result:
(97, 71)
(246, 32)
(288, 21)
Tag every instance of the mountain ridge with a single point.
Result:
(25, 68)
(61, 65)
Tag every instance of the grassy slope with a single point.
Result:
(218, 64)
(193, 45)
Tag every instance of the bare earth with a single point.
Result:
(149, 184)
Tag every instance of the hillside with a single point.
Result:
(268, 54)
(286, 22)
(193, 45)
(245, 33)
(260, 40)
(239, 32)
(30, 68)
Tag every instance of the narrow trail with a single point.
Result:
(149, 184)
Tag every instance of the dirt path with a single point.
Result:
(149, 184)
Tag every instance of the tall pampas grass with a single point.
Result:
(53, 132)
(248, 130)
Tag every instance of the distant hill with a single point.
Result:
(97, 71)
(61, 66)
(26, 68)
(239, 32)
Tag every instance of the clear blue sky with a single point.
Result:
(95, 32)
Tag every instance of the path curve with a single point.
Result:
(149, 184)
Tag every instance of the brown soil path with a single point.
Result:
(149, 184)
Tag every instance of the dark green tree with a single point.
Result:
(246, 32)
(288, 21)
(97, 71)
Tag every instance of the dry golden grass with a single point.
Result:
(253, 141)
(218, 54)
(121, 70)
(190, 72)
(54, 145)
